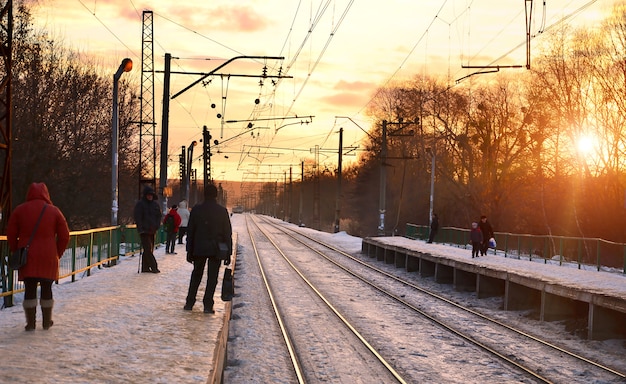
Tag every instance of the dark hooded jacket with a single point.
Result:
(147, 213)
(209, 223)
(50, 239)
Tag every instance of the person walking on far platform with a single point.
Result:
(209, 224)
(147, 215)
(476, 237)
(487, 230)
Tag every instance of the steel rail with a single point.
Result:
(283, 329)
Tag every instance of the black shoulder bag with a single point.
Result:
(18, 258)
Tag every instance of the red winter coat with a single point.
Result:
(177, 219)
(49, 241)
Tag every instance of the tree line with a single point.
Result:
(506, 145)
(61, 131)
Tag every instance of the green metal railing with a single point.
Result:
(599, 253)
(95, 248)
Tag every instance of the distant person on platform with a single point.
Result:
(487, 231)
(183, 212)
(476, 237)
(147, 215)
(209, 223)
(171, 222)
(44, 252)
(434, 227)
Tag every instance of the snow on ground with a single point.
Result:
(118, 326)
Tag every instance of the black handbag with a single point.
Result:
(19, 257)
(227, 285)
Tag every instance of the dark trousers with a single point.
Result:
(431, 237)
(170, 242)
(30, 288)
(148, 261)
(182, 231)
(485, 247)
(196, 278)
(476, 248)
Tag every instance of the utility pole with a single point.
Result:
(147, 137)
(383, 166)
(194, 177)
(316, 191)
(206, 141)
(338, 201)
(290, 193)
(182, 167)
(383, 181)
(285, 215)
(301, 192)
(188, 169)
(432, 185)
(165, 132)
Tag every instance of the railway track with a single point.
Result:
(420, 335)
(318, 339)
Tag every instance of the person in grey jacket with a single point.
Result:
(209, 224)
(147, 215)
(183, 212)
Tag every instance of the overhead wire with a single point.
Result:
(315, 20)
(93, 13)
(334, 30)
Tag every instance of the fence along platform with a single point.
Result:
(555, 292)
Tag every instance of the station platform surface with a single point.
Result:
(120, 326)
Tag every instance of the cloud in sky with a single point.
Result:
(239, 19)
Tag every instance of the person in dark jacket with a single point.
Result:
(46, 249)
(434, 227)
(209, 223)
(487, 231)
(148, 219)
(172, 222)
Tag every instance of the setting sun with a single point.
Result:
(586, 143)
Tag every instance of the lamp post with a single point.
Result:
(125, 66)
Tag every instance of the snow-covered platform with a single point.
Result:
(121, 326)
(556, 292)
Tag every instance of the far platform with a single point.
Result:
(555, 292)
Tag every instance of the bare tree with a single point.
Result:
(62, 126)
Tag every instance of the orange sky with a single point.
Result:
(337, 53)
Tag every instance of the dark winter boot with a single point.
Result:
(30, 309)
(46, 310)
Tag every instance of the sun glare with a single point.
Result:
(586, 144)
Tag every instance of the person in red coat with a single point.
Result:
(44, 253)
(172, 221)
